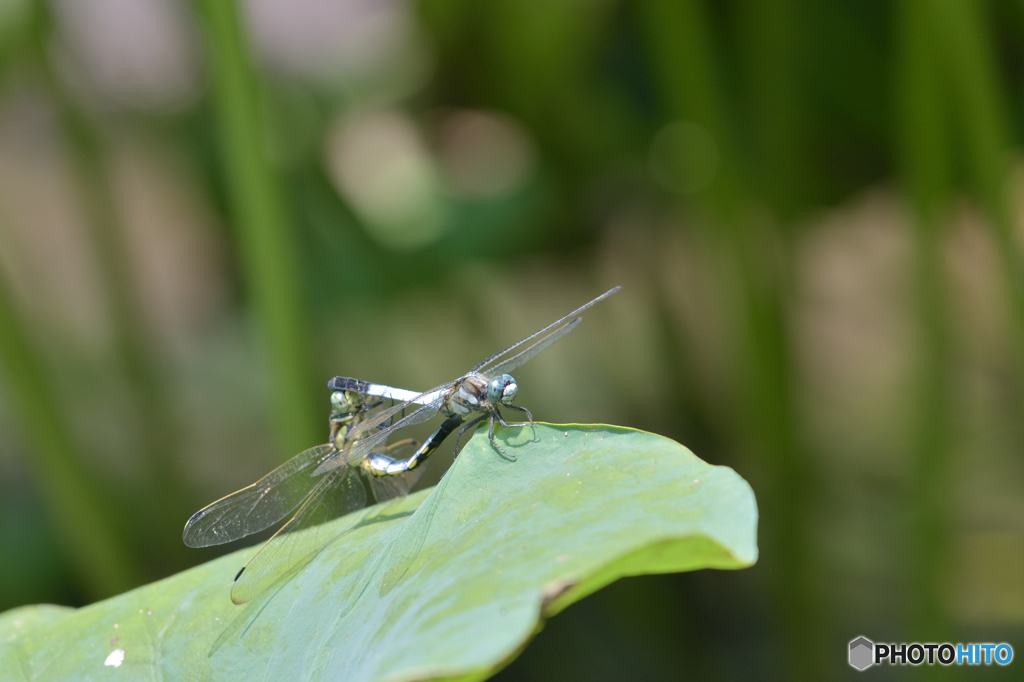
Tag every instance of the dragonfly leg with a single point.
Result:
(490, 434)
(463, 430)
(520, 409)
(402, 443)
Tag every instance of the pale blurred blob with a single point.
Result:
(859, 353)
(49, 259)
(143, 53)
(484, 154)
(49, 254)
(178, 261)
(137, 53)
(43, 240)
(989, 582)
(683, 158)
(855, 331)
(327, 39)
(380, 164)
(977, 292)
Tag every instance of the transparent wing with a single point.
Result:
(360, 444)
(523, 356)
(389, 487)
(298, 541)
(363, 439)
(554, 325)
(259, 505)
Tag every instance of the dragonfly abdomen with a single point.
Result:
(380, 465)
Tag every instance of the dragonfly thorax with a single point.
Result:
(339, 431)
(476, 393)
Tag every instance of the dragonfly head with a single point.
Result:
(346, 402)
(502, 389)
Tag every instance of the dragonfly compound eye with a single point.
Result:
(345, 401)
(509, 389)
(494, 389)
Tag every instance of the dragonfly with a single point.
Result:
(314, 498)
(484, 389)
(323, 482)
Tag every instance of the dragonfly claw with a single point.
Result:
(490, 434)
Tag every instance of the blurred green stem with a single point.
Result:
(684, 63)
(136, 347)
(268, 247)
(91, 542)
(770, 35)
(685, 69)
(924, 129)
(135, 343)
(962, 42)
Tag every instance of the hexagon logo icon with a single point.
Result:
(862, 653)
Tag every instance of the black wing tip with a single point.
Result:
(237, 599)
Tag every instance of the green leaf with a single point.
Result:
(447, 583)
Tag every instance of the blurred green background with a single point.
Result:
(208, 209)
